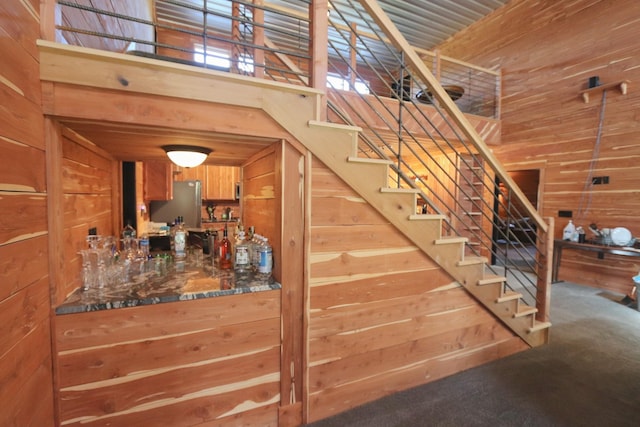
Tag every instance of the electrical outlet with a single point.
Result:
(597, 180)
(93, 231)
(565, 214)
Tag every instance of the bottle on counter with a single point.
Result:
(179, 239)
(128, 231)
(569, 230)
(265, 265)
(255, 254)
(225, 250)
(241, 260)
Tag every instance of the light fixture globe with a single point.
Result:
(186, 156)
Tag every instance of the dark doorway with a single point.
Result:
(129, 194)
(516, 231)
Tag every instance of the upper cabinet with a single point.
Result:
(157, 181)
(218, 182)
(198, 173)
(221, 182)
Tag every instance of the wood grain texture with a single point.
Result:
(382, 315)
(169, 363)
(548, 51)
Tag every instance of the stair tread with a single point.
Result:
(399, 190)
(538, 326)
(472, 261)
(368, 160)
(427, 217)
(319, 123)
(509, 296)
(445, 240)
(525, 310)
(491, 278)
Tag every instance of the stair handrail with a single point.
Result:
(422, 72)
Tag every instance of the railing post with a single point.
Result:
(235, 36)
(437, 64)
(545, 257)
(258, 40)
(319, 51)
(49, 17)
(353, 63)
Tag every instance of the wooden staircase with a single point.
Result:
(336, 146)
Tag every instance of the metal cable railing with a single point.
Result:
(199, 40)
(428, 149)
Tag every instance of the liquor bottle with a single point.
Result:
(241, 259)
(179, 240)
(225, 250)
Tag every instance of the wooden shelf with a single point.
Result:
(621, 85)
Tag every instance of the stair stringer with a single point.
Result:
(336, 146)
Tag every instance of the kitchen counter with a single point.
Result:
(151, 287)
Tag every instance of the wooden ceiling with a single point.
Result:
(129, 142)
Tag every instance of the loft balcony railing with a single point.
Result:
(408, 102)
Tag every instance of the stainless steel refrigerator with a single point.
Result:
(186, 202)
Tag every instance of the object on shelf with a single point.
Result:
(621, 85)
(455, 92)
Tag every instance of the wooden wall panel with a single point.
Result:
(547, 51)
(260, 199)
(382, 315)
(88, 201)
(168, 364)
(26, 383)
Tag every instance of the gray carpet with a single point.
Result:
(589, 375)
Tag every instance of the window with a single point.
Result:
(335, 81)
(214, 57)
(219, 58)
(245, 63)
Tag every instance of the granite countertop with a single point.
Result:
(180, 282)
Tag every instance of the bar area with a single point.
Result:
(135, 276)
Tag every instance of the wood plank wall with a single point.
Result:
(382, 315)
(213, 361)
(547, 52)
(26, 390)
(91, 177)
(261, 198)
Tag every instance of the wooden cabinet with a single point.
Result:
(218, 182)
(199, 173)
(221, 182)
(157, 181)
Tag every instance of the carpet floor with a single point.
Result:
(588, 375)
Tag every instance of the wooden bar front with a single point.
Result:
(182, 363)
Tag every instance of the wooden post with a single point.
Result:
(258, 40)
(319, 51)
(543, 285)
(353, 56)
(235, 37)
(49, 18)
